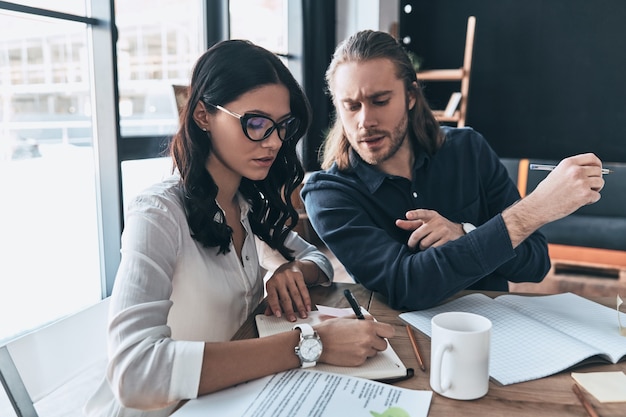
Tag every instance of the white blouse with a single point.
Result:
(170, 296)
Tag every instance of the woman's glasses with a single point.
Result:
(257, 127)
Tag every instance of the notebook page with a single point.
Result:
(384, 365)
(522, 349)
(576, 316)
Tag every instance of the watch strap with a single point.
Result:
(305, 329)
(468, 227)
(306, 332)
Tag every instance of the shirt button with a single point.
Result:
(247, 258)
(414, 194)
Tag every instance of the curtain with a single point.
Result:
(318, 30)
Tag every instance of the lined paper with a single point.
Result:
(537, 336)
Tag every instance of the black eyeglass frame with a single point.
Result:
(243, 119)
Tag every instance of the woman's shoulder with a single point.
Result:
(166, 195)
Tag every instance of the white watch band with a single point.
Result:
(468, 227)
(309, 348)
(305, 329)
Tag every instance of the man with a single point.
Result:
(419, 212)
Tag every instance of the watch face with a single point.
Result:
(310, 349)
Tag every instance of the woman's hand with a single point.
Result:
(349, 342)
(287, 289)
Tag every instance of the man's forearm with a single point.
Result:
(522, 219)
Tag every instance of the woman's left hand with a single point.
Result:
(287, 289)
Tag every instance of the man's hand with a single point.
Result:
(575, 182)
(429, 229)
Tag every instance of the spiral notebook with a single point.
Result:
(385, 365)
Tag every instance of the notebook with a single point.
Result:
(537, 336)
(385, 365)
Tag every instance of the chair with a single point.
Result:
(53, 370)
(303, 228)
(456, 109)
(512, 167)
(181, 94)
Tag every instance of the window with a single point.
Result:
(157, 46)
(76, 7)
(50, 215)
(61, 210)
(262, 22)
(155, 50)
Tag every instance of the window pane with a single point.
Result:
(76, 7)
(159, 41)
(48, 216)
(262, 22)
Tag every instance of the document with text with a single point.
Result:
(537, 336)
(310, 393)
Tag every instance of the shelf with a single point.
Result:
(441, 75)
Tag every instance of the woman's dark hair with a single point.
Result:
(223, 73)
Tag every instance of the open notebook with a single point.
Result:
(385, 365)
(537, 336)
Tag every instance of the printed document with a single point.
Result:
(310, 393)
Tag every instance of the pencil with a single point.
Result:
(415, 349)
(542, 167)
(584, 402)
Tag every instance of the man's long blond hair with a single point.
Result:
(364, 46)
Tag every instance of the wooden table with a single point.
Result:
(549, 397)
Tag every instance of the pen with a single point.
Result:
(542, 167)
(584, 402)
(354, 304)
(415, 349)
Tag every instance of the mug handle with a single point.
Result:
(436, 368)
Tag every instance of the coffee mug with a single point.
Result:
(460, 355)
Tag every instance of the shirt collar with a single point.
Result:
(372, 177)
(244, 207)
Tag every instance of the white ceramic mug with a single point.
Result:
(460, 355)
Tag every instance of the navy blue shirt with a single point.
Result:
(354, 213)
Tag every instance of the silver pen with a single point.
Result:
(542, 167)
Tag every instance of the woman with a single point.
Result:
(193, 247)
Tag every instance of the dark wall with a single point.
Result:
(548, 76)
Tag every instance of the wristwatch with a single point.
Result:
(468, 227)
(309, 349)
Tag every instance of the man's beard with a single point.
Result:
(398, 136)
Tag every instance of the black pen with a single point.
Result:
(354, 304)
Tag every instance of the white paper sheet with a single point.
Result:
(607, 387)
(310, 393)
